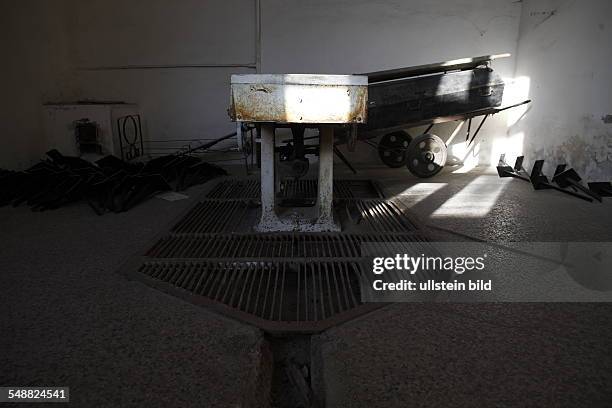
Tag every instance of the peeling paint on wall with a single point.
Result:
(569, 73)
(590, 156)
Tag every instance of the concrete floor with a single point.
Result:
(68, 319)
(487, 354)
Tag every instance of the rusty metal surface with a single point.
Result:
(299, 98)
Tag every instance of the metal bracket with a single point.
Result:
(603, 188)
(352, 138)
(131, 147)
(504, 170)
(540, 182)
(484, 118)
(570, 178)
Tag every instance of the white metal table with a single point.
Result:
(314, 101)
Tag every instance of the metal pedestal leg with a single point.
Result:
(269, 220)
(325, 220)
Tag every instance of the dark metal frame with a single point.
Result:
(132, 270)
(567, 180)
(132, 146)
(466, 117)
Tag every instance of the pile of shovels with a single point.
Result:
(565, 180)
(109, 184)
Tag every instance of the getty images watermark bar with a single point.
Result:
(34, 394)
(486, 272)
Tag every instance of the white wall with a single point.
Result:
(153, 53)
(145, 51)
(353, 36)
(565, 53)
(112, 33)
(34, 68)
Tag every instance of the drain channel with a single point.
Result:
(290, 285)
(292, 375)
(281, 282)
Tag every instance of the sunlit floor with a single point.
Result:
(481, 204)
(69, 319)
(457, 355)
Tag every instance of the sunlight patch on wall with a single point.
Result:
(511, 146)
(515, 91)
(467, 154)
(475, 200)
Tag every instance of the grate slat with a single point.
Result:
(294, 189)
(286, 245)
(291, 279)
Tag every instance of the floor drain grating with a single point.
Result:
(281, 282)
(238, 216)
(374, 215)
(302, 188)
(235, 189)
(277, 296)
(286, 245)
(211, 216)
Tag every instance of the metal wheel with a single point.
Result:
(392, 148)
(426, 155)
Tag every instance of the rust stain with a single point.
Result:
(360, 113)
(255, 105)
(260, 88)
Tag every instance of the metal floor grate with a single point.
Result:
(295, 245)
(357, 189)
(240, 216)
(374, 216)
(302, 188)
(235, 189)
(273, 293)
(212, 216)
(280, 282)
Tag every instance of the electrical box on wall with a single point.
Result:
(85, 129)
